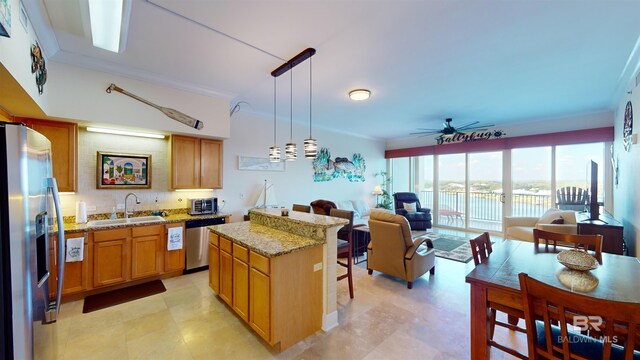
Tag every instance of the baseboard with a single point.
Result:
(329, 321)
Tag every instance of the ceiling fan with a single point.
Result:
(450, 130)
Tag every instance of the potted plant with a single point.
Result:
(385, 201)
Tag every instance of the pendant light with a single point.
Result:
(290, 149)
(274, 151)
(310, 144)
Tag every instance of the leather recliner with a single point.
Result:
(393, 252)
(420, 219)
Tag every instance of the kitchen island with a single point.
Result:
(278, 273)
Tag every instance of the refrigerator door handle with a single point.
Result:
(51, 314)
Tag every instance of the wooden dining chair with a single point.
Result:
(545, 306)
(301, 208)
(481, 249)
(592, 242)
(345, 249)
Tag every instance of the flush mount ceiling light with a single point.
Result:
(359, 94)
(106, 23)
(124, 132)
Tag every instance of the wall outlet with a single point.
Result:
(120, 206)
(91, 208)
(317, 267)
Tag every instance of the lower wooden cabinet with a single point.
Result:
(214, 263)
(174, 259)
(260, 303)
(240, 282)
(111, 262)
(146, 251)
(226, 274)
(279, 297)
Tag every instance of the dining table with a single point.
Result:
(495, 280)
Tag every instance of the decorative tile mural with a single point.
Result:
(325, 169)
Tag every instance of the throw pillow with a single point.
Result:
(409, 207)
(559, 220)
(361, 207)
(348, 205)
(548, 216)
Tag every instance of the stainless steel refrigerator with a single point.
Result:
(28, 201)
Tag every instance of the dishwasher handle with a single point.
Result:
(203, 222)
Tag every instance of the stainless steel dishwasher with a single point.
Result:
(197, 244)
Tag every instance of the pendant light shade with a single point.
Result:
(290, 149)
(274, 151)
(310, 144)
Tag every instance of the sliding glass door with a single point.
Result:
(485, 191)
(531, 181)
(452, 190)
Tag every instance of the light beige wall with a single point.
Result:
(105, 199)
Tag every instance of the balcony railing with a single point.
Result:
(485, 206)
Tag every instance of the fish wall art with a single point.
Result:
(326, 169)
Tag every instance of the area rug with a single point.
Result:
(120, 296)
(450, 247)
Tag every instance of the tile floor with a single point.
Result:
(384, 321)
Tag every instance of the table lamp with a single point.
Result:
(377, 191)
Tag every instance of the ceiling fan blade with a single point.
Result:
(429, 129)
(467, 125)
(480, 127)
(425, 133)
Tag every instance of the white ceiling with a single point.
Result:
(489, 61)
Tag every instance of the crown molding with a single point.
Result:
(94, 64)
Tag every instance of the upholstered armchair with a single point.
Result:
(322, 207)
(408, 205)
(393, 252)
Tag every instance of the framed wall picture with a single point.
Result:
(123, 171)
(259, 164)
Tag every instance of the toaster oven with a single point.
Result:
(203, 206)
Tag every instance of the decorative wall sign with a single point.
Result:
(325, 169)
(121, 171)
(469, 136)
(5, 18)
(627, 130)
(38, 66)
(259, 164)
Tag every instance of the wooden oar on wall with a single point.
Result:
(172, 113)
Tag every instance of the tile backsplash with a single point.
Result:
(104, 200)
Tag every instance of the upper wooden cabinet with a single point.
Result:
(195, 163)
(64, 149)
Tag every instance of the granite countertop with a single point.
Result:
(264, 240)
(302, 217)
(75, 228)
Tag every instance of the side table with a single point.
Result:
(361, 238)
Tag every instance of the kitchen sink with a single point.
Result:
(135, 220)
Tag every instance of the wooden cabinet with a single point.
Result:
(76, 274)
(241, 281)
(64, 149)
(110, 257)
(279, 297)
(226, 271)
(610, 229)
(174, 259)
(195, 163)
(210, 164)
(214, 262)
(146, 251)
(260, 303)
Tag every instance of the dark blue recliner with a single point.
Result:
(420, 219)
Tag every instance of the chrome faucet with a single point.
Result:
(126, 208)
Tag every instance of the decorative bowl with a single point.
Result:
(577, 260)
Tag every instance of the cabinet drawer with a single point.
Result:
(214, 239)
(225, 245)
(108, 235)
(147, 230)
(241, 253)
(259, 262)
